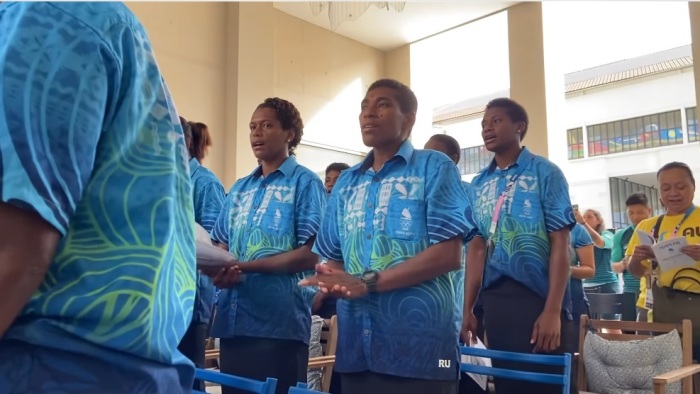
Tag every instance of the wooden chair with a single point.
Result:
(643, 331)
(329, 343)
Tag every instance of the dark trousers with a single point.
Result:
(262, 358)
(193, 346)
(376, 383)
(510, 312)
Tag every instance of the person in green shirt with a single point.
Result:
(638, 209)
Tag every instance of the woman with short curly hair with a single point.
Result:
(269, 223)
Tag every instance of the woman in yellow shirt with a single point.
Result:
(678, 287)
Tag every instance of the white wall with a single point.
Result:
(629, 99)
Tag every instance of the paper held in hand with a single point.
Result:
(208, 255)
(668, 253)
(481, 380)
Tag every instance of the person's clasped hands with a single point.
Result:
(224, 277)
(337, 283)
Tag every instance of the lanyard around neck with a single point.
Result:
(501, 199)
(688, 212)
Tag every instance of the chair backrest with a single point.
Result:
(254, 386)
(329, 343)
(563, 379)
(605, 304)
(621, 331)
(329, 336)
(301, 388)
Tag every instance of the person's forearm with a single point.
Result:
(474, 272)
(297, 260)
(558, 271)
(619, 267)
(582, 272)
(598, 241)
(434, 261)
(636, 268)
(27, 247)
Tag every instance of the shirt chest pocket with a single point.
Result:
(406, 219)
(279, 218)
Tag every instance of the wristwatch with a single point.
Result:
(369, 278)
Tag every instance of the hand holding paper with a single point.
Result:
(670, 255)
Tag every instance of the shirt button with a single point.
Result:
(255, 207)
(367, 333)
(369, 205)
(233, 306)
(369, 236)
(375, 179)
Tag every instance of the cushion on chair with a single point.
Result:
(627, 367)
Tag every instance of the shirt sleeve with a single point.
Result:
(55, 87)
(607, 237)
(219, 232)
(556, 202)
(617, 252)
(213, 197)
(582, 238)
(328, 243)
(310, 203)
(448, 209)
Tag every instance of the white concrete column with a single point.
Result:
(694, 13)
(537, 81)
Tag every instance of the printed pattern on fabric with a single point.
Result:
(266, 216)
(380, 220)
(90, 140)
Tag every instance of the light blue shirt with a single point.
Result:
(266, 216)
(380, 220)
(536, 205)
(91, 142)
(209, 196)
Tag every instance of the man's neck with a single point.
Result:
(384, 154)
(269, 167)
(507, 157)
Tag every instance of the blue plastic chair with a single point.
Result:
(302, 388)
(564, 361)
(254, 386)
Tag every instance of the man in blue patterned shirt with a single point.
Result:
(392, 234)
(208, 195)
(97, 247)
(269, 222)
(523, 214)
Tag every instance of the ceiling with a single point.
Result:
(387, 29)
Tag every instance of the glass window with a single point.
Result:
(643, 132)
(474, 159)
(692, 123)
(575, 141)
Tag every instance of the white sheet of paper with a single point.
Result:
(481, 380)
(668, 254)
(645, 238)
(209, 255)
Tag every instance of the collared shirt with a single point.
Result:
(208, 196)
(603, 268)
(266, 216)
(536, 205)
(91, 142)
(377, 221)
(621, 240)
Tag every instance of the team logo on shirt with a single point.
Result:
(406, 221)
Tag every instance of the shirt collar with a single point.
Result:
(286, 168)
(523, 158)
(405, 152)
(194, 164)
